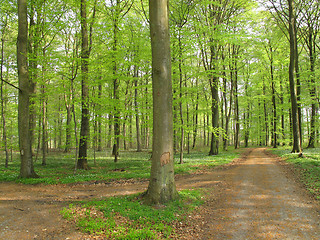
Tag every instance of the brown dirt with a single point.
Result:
(253, 198)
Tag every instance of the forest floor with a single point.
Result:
(255, 197)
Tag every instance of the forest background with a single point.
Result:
(230, 70)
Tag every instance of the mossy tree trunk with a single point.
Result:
(26, 167)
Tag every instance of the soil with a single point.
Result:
(255, 197)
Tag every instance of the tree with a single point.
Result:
(85, 53)
(294, 104)
(3, 117)
(26, 169)
(162, 185)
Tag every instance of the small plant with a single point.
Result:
(127, 218)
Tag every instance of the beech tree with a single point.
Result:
(26, 169)
(162, 185)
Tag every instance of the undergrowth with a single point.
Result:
(127, 217)
(131, 165)
(309, 166)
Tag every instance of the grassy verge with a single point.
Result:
(132, 165)
(127, 218)
(309, 167)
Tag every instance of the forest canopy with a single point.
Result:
(243, 73)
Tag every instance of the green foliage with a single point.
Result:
(309, 165)
(128, 218)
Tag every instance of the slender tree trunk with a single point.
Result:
(312, 89)
(195, 117)
(214, 147)
(3, 116)
(236, 103)
(99, 137)
(180, 100)
(274, 120)
(161, 187)
(84, 130)
(116, 116)
(137, 109)
(44, 127)
(227, 113)
(246, 115)
(25, 145)
(33, 49)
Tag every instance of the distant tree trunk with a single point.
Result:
(44, 127)
(161, 187)
(274, 119)
(4, 126)
(312, 85)
(180, 100)
(282, 113)
(246, 115)
(68, 129)
(293, 89)
(227, 112)
(116, 115)
(84, 131)
(214, 147)
(99, 137)
(236, 99)
(265, 110)
(195, 119)
(44, 112)
(137, 108)
(25, 145)
(297, 73)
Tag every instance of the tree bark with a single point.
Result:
(293, 89)
(84, 131)
(26, 167)
(161, 187)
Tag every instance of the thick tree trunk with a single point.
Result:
(293, 90)
(84, 131)
(161, 187)
(26, 167)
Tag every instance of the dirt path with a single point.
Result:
(255, 198)
(262, 201)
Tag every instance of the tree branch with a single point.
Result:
(10, 84)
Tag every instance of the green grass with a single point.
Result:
(131, 165)
(309, 166)
(128, 218)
